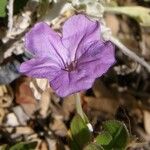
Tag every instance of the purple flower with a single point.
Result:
(70, 61)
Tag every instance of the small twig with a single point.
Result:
(79, 106)
(130, 53)
(10, 8)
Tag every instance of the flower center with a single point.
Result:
(70, 67)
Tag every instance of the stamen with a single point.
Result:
(70, 67)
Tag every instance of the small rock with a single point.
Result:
(12, 120)
(21, 115)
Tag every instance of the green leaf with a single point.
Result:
(24, 146)
(80, 132)
(119, 133)
(86, 120)
(104, 138)
(93, 146)
(3, 4)
(139, 13)
(74, 145)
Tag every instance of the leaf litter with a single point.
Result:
(30, 110)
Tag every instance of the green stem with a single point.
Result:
(78, 105)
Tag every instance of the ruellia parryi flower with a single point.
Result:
(70, 60)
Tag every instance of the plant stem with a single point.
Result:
(78, 105)
(130, 53)
(10, 7)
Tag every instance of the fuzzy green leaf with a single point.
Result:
(93, 146)
(80, 132)
(139, 13)
(3, 4)
(104, 138)
(24, 146)
(119, 133)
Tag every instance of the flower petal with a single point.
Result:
(40, 68)
(67, 83)
(77, 32)
(42, 41)
(94, 62)
(98, 58)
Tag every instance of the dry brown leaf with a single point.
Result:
(105, 100)
(12, 120)
(147, 121)
(3, 90)
(6, 97)
(52, 144)
(145, 44)
(2, 115)
(42, 84)
(128, 100)
(43, 146)
(130, 42)
(102, 104)
(21, 115)
(5, 101)
(24, 93)
(45, 103)
(59, 127)
(124, 26)
(36, 90)
(25, 97)
(100, 90)
(113, 23)
(24, 130)
(68, 105)
(56, 109)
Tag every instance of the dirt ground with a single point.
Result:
(31, 111)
